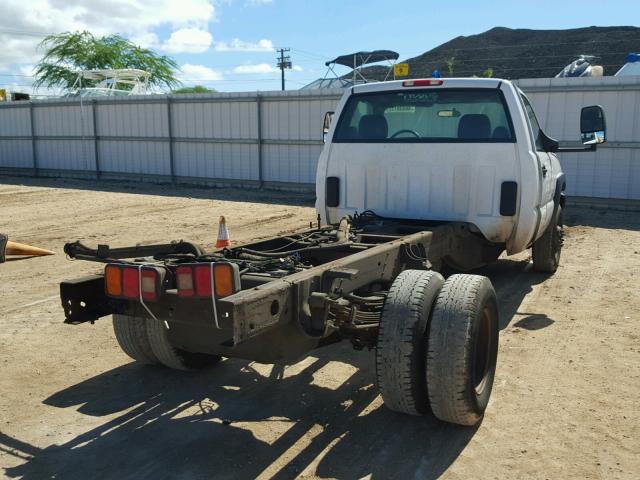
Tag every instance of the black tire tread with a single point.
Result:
(171, 356)
(131, 334)
(542, 250)
(401, 342)
(447, 366)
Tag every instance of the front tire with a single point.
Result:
(400, 351)
(546, 250)
(462, 349)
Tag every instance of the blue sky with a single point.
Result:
(317, 30)
(230, 44)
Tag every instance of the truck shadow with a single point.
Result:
(253, 195)
(242, 420)
(600, 217)
(233, 422)
(513, 280)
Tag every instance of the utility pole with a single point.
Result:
(283, 63)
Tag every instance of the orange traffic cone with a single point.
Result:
(223, 234)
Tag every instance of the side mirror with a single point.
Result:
(593, 127)
(326, 125)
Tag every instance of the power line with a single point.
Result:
(26, 33)
(312, 54)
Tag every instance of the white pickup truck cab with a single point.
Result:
(450, 150)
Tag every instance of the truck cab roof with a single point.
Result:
(438, 82)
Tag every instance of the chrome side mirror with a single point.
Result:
(593, 126)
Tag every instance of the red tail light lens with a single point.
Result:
(130, 283)
(422, 83)
(203, 280)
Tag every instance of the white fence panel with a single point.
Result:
(614, 170)
(216, 160)
(66, 155)
(276, 137)
(15, 121)
(16, 153)
(134, 157)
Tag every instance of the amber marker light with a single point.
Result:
(113, 280)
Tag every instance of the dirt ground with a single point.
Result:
(73, 406)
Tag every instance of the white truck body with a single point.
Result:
(456, 181)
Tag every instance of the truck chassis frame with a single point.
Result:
(276, 316)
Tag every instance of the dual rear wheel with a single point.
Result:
(437, 346)
(147, 341)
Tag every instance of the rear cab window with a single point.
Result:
(426, 115)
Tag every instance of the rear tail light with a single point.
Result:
(422, 83)
(225, 279)
(130, 282)
(133, 282)
(202, 279)
(184, 281)
(151, 283)
(203, 275)
(113, 280)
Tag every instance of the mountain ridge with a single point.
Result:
(522, 53)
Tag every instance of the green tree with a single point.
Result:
(450, 64)
(68, 53)
(195, 89)
(488, 73)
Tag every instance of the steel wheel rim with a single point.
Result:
(481, 356)
(557, 240)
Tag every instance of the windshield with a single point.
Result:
(451, 115)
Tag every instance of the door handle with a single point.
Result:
(544, 171)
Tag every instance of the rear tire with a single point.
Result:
(462, 349)
(546, 250)
(400, 352)
(131, 334)
(174, 357)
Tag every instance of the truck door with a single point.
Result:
(547, 181)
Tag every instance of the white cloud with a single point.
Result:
(146, 40)
(297, 68)
(135, 19)
(258, 3)
(27, 70)
(188, 40)
(255, 68)
(197, 74)
(237, 45)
